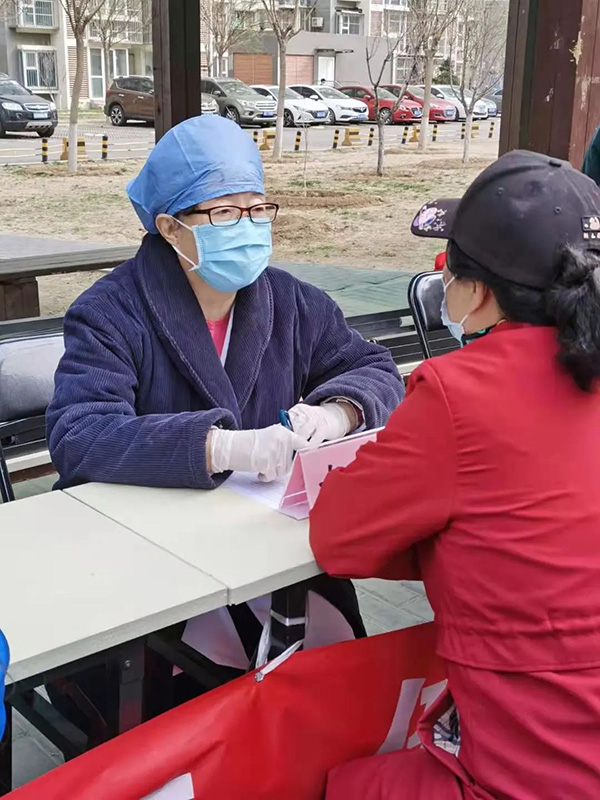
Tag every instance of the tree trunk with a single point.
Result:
(429, 67)
(380, 146)
(107, 69)
(278, 149)
(74, 113)
(468, 132)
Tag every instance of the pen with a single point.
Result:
(284, 419)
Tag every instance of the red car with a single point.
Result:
(389, 111)
(439, 111)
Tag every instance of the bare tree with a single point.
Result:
(485, 24)
(79, 13)
(224, 21)
(286, 22)
(116, 22)
(384, 49)
(430, 20)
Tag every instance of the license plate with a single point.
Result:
(362, 116)
(268, 113)
(40, 115)
(449, 113)
(321, 113)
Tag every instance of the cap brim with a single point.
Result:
(435, 220)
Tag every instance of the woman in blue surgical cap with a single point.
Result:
(178, 362)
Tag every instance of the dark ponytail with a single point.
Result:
(573, 305)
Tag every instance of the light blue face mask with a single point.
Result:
(230, 257)
(456, 328)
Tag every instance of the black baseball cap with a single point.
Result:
(517, 215)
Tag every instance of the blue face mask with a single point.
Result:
(456, 328)
(230, 257)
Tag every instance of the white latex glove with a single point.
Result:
(320, 424)
(267, 451)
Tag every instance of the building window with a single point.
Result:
(120, 63)
(349, 23)
(39, 69)
(38, 14)
(96, 72)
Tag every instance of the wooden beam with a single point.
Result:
(176, 54)
(552, 78)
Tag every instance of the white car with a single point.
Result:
(480, 110)
(298, 110)
(341, 108)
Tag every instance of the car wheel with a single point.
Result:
(46, 133)
(117, 116)
(232, 113)
(385, 115)
(288, 118)
(2, 131)
(456, 115)
(331, 117)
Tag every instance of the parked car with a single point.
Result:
(341, 108)
(447, 93)
(298, 110)
(132, 98)
(21, 110)
(492, 108)
(496, 98)
(389, 109)
(240, 103)
(439, 110)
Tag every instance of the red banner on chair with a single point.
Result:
(269, 735)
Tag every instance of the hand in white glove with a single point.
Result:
(267, 451)
(320, 424)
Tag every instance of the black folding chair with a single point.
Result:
(425, 295)
(27, 367)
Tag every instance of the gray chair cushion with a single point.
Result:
(27, 368)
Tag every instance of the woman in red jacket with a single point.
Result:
(486, 484)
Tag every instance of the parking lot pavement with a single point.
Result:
(135, 140)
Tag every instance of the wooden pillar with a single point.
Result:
(551, 98)
(176, 54)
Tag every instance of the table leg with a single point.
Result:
(6, 754)
(288, 617)
(19, 298)
(126, 688)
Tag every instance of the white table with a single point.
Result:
(243, 544)
(75, 583)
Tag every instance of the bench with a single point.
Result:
(19, 296)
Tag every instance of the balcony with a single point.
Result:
(36, 16)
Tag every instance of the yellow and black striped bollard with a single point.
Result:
(336, 138)
(371, 137)
(435, 132)
(104, 147)
(297, 142)
(44, 151)
(405, 135)
(463, 131)
(492, 128)
(255, 137)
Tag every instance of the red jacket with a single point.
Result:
(486, 483)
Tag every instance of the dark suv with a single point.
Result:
(20, 110)
(133, 98)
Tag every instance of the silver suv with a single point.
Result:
(240, 103)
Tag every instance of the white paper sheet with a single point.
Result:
(270, 494)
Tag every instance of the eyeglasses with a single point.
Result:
(223, 216)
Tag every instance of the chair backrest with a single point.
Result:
(425, 295)
(27, 368)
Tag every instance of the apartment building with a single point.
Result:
(37, 48)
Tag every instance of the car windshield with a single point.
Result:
(332, 94)
(289, 93)
(233, 87)
(383, 94)
(12, 88)
(417, 91)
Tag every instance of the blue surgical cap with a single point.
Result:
(197, 160)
